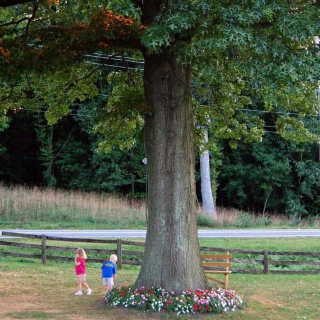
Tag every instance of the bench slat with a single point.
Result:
(218, 271)
(217, 264)
(216, 256)
(215, 279)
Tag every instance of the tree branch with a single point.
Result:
(88, 75)
(57, 45)
(9, 3)
(34, 12)
(57, 155)
(13, 22)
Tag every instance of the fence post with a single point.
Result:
(43, 248)
(119, 253)
(265, 262)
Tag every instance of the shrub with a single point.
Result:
(245, 220)
(205, 221)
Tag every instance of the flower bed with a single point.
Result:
(191, 301)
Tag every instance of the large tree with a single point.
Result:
(238, 49)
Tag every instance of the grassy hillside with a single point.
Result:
(49, 209)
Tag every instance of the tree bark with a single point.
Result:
(172, 256)
(206, 190)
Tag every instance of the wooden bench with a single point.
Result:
(223, 266)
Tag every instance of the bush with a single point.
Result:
(205, 221)
(245, 220)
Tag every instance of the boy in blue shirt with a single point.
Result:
(109, 272)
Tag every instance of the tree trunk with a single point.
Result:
(206, 190)
(318, 92)
(172, 256)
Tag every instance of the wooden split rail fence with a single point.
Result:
(309, 262)
(44, 248)
(243, 261)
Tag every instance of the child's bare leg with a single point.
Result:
(85, 284)
(108, 288)
(79, 286)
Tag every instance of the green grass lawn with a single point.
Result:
(242, 221)
(275, 244)
(269, 244)
(30, 290)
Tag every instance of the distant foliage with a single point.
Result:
(274, 174)
(66, 156)
(278, 175)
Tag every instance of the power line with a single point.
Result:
(115, 58)
(104, 95)
(278, 112)
(249, 110)
(123, 59)
(130, 60)
(90, 116)
(112, 66)
(42, 111)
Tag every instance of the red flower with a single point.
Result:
(151, 291)
(207, 308)
(123, 294)
(170, 301)
(195, 307)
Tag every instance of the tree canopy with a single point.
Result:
(237, 54)
(240, 50)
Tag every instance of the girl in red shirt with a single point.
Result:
(80, 270)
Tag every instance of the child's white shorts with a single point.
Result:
(81, 277)
(107, 281)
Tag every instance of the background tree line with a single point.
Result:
(274, 175)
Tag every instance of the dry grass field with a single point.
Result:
(49, 208)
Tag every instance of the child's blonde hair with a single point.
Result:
(81, 252)
(113, 258)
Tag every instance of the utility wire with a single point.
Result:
(246, 110)
(104, 95)
(116, 58)
(278, 112)
(130, 60)
(90, 116)
(112, 66)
